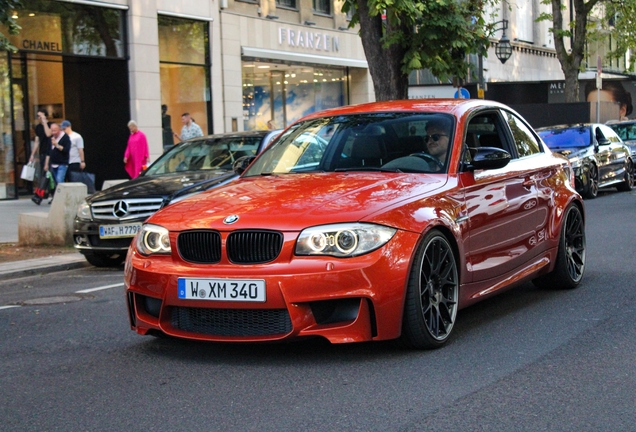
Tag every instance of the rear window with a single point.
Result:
(627, 131)
(564, 138)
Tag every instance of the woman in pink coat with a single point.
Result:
(137, 154)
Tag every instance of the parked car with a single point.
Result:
(371, 237)
(626, 130)
(108, 220)
(598, 156)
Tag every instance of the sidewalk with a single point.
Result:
(9, 214)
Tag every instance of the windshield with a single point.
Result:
(216, 153)
(394, 142)
(566, 138)
(627, 131)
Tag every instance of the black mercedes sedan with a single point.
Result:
(107, 221)
(597, 154)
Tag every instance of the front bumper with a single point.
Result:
(86, 238)
(343, 300)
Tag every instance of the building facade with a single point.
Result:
(232, 65)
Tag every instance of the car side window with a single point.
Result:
(525, 141)
(483, 130)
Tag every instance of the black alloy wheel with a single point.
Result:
(591, 189)
(432, 294)
(628, 183)
(570, 261)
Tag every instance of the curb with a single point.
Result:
(20, 270)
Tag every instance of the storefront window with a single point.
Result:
(66, 28)
(276, 95)
(185, 74)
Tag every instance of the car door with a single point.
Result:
(617, 154)
(501, 204)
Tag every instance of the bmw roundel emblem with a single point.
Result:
(230, 219)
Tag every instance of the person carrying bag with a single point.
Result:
(28, 172)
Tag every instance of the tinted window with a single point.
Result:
(564, 138)
(625, 131)
(525, 140)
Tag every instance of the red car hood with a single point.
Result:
(293, 202)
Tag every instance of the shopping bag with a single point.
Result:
(44, 189)
(28, 172)
(83, 177)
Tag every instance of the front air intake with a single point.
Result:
(200, 247)
(254, 247)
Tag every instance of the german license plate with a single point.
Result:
(244, 290)
(119, 231)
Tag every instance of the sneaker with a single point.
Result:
(50, 201)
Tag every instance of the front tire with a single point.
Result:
(106, 260)
(591, 189)
(432, 294)
(570, 262)
(628, 183)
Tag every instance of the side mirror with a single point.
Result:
(241, 164)
(604, 141)
(486, 158)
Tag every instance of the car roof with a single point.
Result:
(457, 107)
(568, 126)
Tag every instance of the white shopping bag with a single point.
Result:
(28, 172)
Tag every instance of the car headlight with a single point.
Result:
(153, 239)
(343, 240)
(84, 211)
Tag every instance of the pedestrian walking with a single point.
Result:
(137, 154)
(190, 129)
(57, 160)
(42, 138)
(76, 161)
(166, 128)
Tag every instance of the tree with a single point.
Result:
(577, 31)
(399, 36)
(6, 18)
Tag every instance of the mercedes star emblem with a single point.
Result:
(121, 209)
(230, 219)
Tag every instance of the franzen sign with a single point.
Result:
(308, 39)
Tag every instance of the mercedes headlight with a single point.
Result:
(153, 239)
(343, 240)
(84, 211)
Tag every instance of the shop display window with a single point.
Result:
(185, 77)
(276, 95)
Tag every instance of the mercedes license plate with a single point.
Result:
(119, 231)
(245, 290)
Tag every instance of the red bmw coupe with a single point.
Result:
(369, 222)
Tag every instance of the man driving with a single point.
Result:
(437, 138)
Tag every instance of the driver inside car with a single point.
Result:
(437, 138)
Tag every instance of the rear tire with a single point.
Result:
(570, 262)
(432, 294)
(106, 260)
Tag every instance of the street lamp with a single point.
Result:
(503, 50)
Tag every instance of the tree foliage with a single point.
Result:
(400, 36)
(6, 18)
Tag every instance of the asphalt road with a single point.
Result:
(527, 360)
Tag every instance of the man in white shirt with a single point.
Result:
(190, 129)
(76, 156)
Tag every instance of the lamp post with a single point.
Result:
(503, 51)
